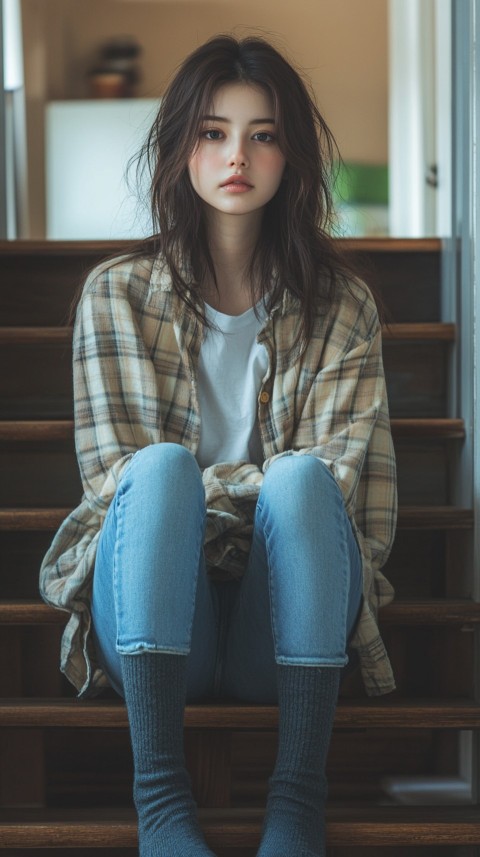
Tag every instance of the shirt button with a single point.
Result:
(264, 397)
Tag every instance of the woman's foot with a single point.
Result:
(292, 830)
(155, 687)
(294, 824)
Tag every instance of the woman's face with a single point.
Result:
(237, 165)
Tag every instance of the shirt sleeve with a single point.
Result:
(115, 395)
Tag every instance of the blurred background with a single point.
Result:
(90, 74)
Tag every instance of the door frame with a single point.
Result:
(461, 265)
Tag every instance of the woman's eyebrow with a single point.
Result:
(252, 121)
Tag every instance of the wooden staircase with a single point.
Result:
(65, 776)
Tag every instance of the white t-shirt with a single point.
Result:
(231, 369)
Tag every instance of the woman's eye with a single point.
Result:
(264, 137)
(212, 134)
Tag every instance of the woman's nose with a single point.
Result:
(238, 156)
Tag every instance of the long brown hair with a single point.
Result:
(295, 250)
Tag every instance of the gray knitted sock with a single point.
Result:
(294, 824)
(155, 691)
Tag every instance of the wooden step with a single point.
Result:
(93, 248)
(30, 613)
(422, 613)
(229, 828)
(36, 431)
(386, 244)
(32, 519)
(409, 518)
(421, 331)
(35, 335)
(351, 714)
(56, 430)
(434, 518)
(437, 331)
(430, 613)
(448, 429)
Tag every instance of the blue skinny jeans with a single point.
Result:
(296, 603)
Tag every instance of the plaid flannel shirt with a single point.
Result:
(135, 355)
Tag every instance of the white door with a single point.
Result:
(420, 125)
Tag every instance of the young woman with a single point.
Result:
(233, 439)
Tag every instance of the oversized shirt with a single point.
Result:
(135, 358)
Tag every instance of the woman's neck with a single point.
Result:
(232, 240)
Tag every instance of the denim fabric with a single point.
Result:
(297, 602)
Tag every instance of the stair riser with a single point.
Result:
(38, 288)
(40, 380)
(416, 568)
(46, 474)
(38, 383)
(418, 657)
(90, 771)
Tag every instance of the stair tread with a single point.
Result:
(35, 335)
(48, 430)
(44, 335)
(434, 330)
(434, 517)
(346, 826)
(24, 247)
(447, 611)
(36, 430)
(409, 517)
(422, 427)
(351, 713)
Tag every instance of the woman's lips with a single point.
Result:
(236, 187)
(236, 184)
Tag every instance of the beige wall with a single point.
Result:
(341, 45)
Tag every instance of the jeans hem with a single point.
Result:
(142, 648)
(312, 662)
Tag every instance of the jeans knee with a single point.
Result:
(292, 470)
(165, 464)
(300, 488)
